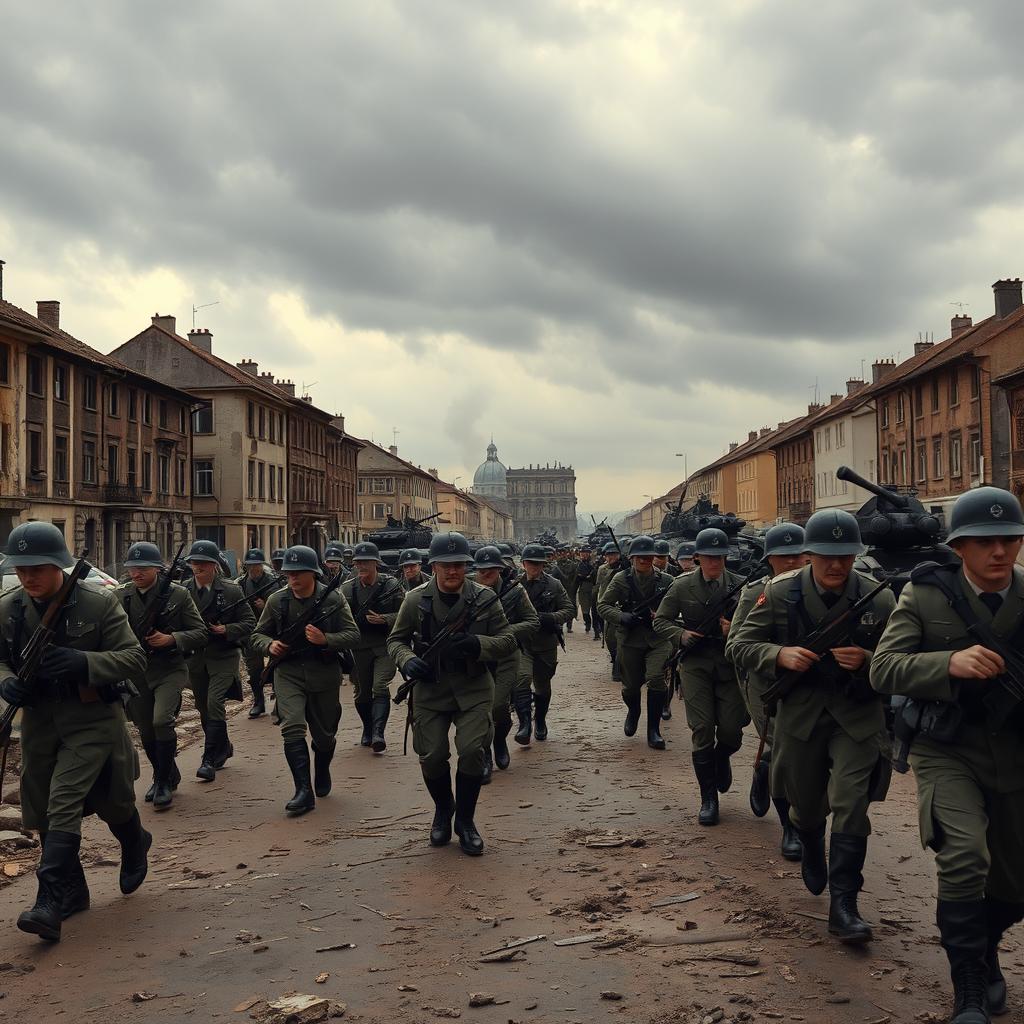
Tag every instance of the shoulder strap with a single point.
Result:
(426, 609)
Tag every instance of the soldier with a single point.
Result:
(492, 570)
(307, 680)
(604, 575)
(783, 550)
(276, 558)
(540, 649)
(335, 561)
(410, 567)
(213, 669)
(568, 568)
(967, 758)
(661, 560)
(178, 628)
(629, 603)
(255, 584)
(586, 571)
(684, 556)
(826, 753)
(347, 553)
(714, 707)
(76, 755)
(454, 687)
(374, 600)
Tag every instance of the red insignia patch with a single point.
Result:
(761, 600)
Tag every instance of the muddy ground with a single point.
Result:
(240, 898)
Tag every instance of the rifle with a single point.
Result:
(296, 632)
(159, 605)
(212, 615)
(360, 613)
(828, 634)
(641, 603)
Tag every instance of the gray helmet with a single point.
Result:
(347, 551)
(586, 549)
(506, 549)
(410, 556)
(277, 554)
(333, 553)
(366, 551)
(254, 556)
(661, 548)
(641, 547)
(488, 557)
(686, 550)
(144, 555)
(832, 531)
(986, 512)
(712, 542)
(609, 549)
(203, 551)
(784, 539)
(37, 543)
(548, 550)
(534, 553)
(299, 558)
(449, 547)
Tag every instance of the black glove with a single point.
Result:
(547, 622)
(64, 661)
(468, 645)
(628, 620)
(417, 668)
(16, 692)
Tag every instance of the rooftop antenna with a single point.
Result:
(961, 306)
(306, 387)
(394, 436)
(205, 305)
(862, 369)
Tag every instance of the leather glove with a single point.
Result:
(547, 622)
(628, 620)
(417, 668)
(64, 661)
(16, 692)
(468, 645)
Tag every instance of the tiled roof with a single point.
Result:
(416, 469)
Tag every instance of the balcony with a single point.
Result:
(121, 494)
(61, 489)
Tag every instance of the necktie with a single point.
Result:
(993, 602)
(830, 599)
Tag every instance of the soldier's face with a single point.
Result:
(643, 566)
(712, 566)
(784, 563)
(203, 572)
(988, 561)
(366, 570)
(143, 577)
(411, 571)
(487, 577)
(832, 571)
(685, 562)
(661, 561)
(40, 581)
(534, 570)
(450, 576)
(301, 584)
(254, 571)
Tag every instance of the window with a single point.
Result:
(89, 461)
(885, 413)
(937, 468)
(113, 400)
(5, 364)
(111, 463)
(955, 463)
(919, 400)
(272, 479)
(218, 534)
(922, 462)
(60, 382)
(202, 419)
(90, 391)
(181, 479)
(163, 474)
(35, 452)
(147, 409)
(974, 451)
(840, 434)
(203, 486)
(182, 419)
(60, 458)
(250, 418)
(903, 465)
(133, 404)
(60, 524)
(147, 471)
(35, 375)
(935, 394)
(260, 475)
(280, 483)
(272, 425)
(954, 392)
(280, 426)
(899, 407)
(163, 413)
(380, 510)
(252, 479)
(262, 418)
(132, 477)
(975, 381)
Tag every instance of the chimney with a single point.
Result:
(308, 398)
(48, 310)
(166, 322)
(267, 378)
(1008, 297)
(959, 324)
(853, 385)
(881, 368)
(813, 408)
(249, 366)
(733, 445)
(200, 337)
(393, 448)
(751, 436)
(832, 399)
(922, 346)
(288, 387)
(432, 471)
(765, 431)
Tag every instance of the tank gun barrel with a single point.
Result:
(900, 501)
(426, 519)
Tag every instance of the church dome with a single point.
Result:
(489, 478)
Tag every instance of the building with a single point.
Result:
(88, 443)
(309, 520)
(387, 485)
(542, 498)
(845, 435)
(460, 511)
(496, 523)
(342, 460)
(490, 476)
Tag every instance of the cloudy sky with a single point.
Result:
(605, 232)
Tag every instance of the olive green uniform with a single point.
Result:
(374, 669)
(77, 757)
(165, 674)
(540, 649)
(586, 576)
(254, 662)
(416, 581)
(752, 686)
(462, 692)
(308, 681)
(523, 622)
(604, 577)
(569, 570)
(714, 707)
(828, 729)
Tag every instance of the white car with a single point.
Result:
(97, 577)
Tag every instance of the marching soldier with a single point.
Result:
(214, 668)
(76, 755)
(661, 558)
(335, 561)
(307, 672)
(455, 687)
(586, 572)
(629, 603)
(611, 566)
(714, 707)
(540, 649)
(256, 586)
(494, 571)
(177, 628)
(276, 558)
(410, 565)
(347, 553)
(568, 568)
(937, 650)
(684, 556)
(826, 753)
(374, 600)
(783, 550)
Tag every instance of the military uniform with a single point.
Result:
(569, 570)
(257, 589)
(412, 584)
(604, 577)
(586, 575)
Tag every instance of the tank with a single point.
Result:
(549, 539)
(746, 547)
(405, 533)
(898, 530)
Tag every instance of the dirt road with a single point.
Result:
(227, 866)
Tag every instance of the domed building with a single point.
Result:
(489, 478)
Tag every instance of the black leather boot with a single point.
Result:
(259, 707)
(524, 711)
(704, 769)
(75, 897)
(791, 848)
(586, 623)
(760, 789)
(485, 779)
(723, 768)
(1000, 917)
(963, 928)
(206, 772)
(322, 770)
(568, 626)
(380, 711)
(365, 713)
(845, 880)
(440, 790)
(150, 749)
(655, 706)
(616, 671)
(813, 868)
(541, 703)
(56, 867)
(135, 843)
(467, 791)
(632, 702)
(296, 754)
(224, 749)
(165, 770)
(502, 727)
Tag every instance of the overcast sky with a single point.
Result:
(605, 232)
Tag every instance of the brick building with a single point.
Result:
(342, 474)
(388, 485)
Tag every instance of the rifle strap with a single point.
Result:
(18, 618)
